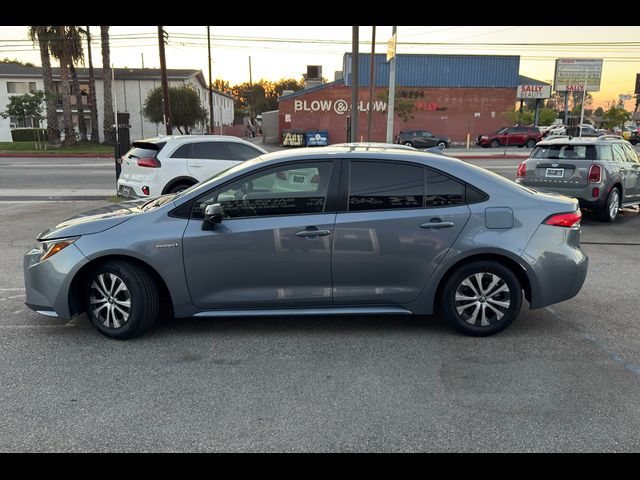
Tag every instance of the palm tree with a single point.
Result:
(93, 104)
(77, 56)
(42, 35)
(108, 122)
(62, 49)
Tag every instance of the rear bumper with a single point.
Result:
(558, 264)
(583, 195)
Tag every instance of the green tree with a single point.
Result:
(62, 47)
(616, 116)
(599, 112)
(546, 116)
(403, 106)
(518, 117)
(42, 35)
(25, 106)
(186, 110)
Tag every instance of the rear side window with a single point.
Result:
(604, 153)
(565, 152)
(240, 151)
(618, 153)
(442, 190)
(210, 151)
(632, 156)
(183, 151)
(385, 185)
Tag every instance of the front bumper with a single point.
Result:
(48, 283)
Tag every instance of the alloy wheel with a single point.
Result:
(614, 203)
(110, 300)
(482, 299)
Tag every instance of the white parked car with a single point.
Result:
(169, 164)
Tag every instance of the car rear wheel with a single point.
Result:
(442, 144)
(530, 143)
(481, 298)
(609, 212)
(495, 143)
(122, 299)
(179, 187)
(408, 143)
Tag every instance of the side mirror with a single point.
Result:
(213, 214)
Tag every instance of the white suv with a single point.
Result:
(169, 164)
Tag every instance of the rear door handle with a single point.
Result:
(312, 233)
(437, 224)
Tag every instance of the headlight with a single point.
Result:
(50, 248)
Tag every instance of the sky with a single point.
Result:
(284, 51)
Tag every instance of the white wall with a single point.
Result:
(5, 130)
(129, 97)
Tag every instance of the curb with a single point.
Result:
(56, 155)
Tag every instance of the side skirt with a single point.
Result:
(305, 311)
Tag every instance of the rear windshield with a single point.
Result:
(565, 152)
(141, 152)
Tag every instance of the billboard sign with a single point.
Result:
(533, 91)
(572, 74)
(318, 138)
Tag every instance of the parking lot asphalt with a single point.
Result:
(562, 378)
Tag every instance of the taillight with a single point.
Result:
(149, 162)
(565, 219)
(595, 174)
(281, 175)
(522, 170)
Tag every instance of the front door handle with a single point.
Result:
(437, 224)
(309, 233)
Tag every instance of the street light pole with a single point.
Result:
(371, 81)
(392, 94)
(355, 76)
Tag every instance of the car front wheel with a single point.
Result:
(481, 298)
(530, 143)
(408, 144)
(122, 299)
(495, 143)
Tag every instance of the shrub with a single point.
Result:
(28, 134)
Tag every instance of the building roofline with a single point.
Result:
(297, 93)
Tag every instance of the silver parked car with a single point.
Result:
(365, 231)
(603, 173)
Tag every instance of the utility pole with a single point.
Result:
(165, 84)
(584, 95)
(355, 76)
(210, 87)
(253, 97)
(392, 91)
(371, 81)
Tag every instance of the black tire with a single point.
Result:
(178, 187)
(494, 143)
(442, 144)
(530, 143)
(141, 292)
(481, 307)
(609, 213)
(408, 143)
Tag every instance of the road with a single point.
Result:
(562, 378)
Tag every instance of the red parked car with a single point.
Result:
(511, 136)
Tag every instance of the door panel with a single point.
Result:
(259, 262)
(385, 257)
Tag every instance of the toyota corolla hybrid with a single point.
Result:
(364, 231)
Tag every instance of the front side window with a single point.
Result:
(285, 190)
(632, 156)
(385, 185)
